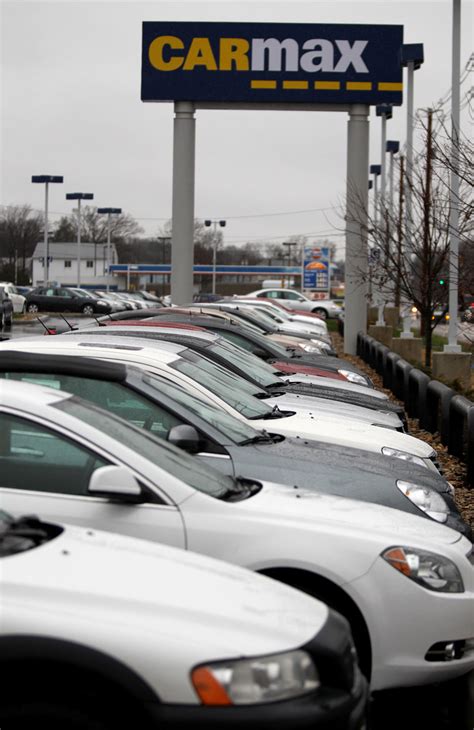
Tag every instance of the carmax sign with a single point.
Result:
(272, 62)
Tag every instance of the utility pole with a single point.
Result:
(399, 232)
(426, 276)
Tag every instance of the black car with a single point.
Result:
(229, 445)
(62, 299)
(6, 309)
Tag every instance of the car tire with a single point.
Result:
(32, 308)
(321, 312)
(88, 309)
(51, 715)
(459, 704)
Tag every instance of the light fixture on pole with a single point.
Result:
(108, 212)
(222, 224)
(46, 179)
(412, 57)
(79, 197)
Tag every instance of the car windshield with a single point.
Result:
(233, 428)
(83, 293)
(232, 389)
(162, 454)
(265, 375)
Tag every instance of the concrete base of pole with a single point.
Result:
(452, 366)
(452, 348)
(411, 349)
(382, 333)
(392, 316)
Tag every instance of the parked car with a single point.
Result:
(116, 304)
(310, 320)
(6, 309)
(406, 585)
(64, 299)
(468, 314)
(326, 308)
(270, 385)
(233, 394)
(65, 662)
(234, 448)
(18, 300)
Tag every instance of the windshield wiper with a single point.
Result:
(23, 534)
(263, 438)
(276, 413)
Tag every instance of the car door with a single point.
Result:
(45, 472)
(67, 301)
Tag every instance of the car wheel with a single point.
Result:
(32, 308)
(321, 312)
(88, 309)
(51, 715)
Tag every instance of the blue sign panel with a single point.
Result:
(316, 268)
(272, 62)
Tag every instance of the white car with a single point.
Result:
(18, 300)
(233, 394)
(405, 583)
(260, 373)
(97, 626)
(284, 319)
(295, 300)
(278, 307)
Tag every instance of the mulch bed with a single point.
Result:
(454, 469)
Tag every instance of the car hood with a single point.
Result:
(343, 516)
(333, 410)
(344, 385)
(356, 434)
(314, 464)
(103, 577)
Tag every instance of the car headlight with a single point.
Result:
(428, 500)
(429, 570)
(257, 680)
(388, 451)
(310, 348)
(354, 377)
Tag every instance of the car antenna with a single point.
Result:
(101, 324)
(68, 323)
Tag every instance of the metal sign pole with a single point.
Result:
(79, 242)
(356, 226)
(182, 249)
(46, 234)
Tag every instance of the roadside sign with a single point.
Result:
(316, 268)
(272, 62)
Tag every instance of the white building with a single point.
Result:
(63, 264)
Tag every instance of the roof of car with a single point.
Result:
(78, 343)
(17, 360)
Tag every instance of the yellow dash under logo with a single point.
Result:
(359, 86)
(387, 86)
(328, 85)
(263, 84)
(295, 84)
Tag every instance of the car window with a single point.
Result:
(36, 458)
(232, 389)
(291, 295)
(164, 455)
(114, 397)
(269, 295)
(66, 293)
(48, 292)
(264, 374)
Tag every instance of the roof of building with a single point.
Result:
(69, 250)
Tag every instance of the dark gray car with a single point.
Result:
(233, 447)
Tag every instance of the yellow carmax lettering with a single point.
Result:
(233, 51)
(200, 54)
(155, 53)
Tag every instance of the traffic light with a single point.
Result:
(442, 281)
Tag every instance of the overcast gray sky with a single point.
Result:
(71, 106)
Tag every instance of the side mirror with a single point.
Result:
(184, 437)
(115, 483)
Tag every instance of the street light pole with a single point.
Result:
(46, 179)
(109, 212)
(79, 197)
(222, 224)
(412, 58)
(452, 345)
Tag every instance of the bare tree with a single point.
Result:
(419, 272)
(20, 228)
(94, 227)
